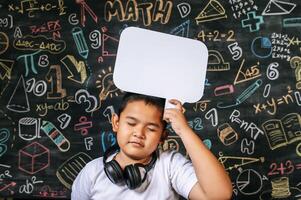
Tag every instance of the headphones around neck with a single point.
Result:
(131, 174)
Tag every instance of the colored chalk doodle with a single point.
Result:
(243, 96)
(76, 69)
(55, 136)
(34, 158)
(252, 22)
(68, 171)
(4, 136)
(107, 139)
(80, 42)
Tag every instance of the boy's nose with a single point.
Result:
(139, 134)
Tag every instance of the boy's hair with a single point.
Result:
(148, 100)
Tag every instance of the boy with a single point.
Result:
(140, 128)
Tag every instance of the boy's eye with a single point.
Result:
(131, 123)
(152, 129)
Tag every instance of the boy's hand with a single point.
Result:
(176, 118)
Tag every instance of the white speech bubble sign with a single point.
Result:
(162, 65)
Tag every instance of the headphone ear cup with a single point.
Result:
(113, 171)
(132, 176)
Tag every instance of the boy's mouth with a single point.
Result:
(136, 143)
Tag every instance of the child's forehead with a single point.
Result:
(142, 103)
(142, 108)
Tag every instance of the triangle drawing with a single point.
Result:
(109, 45)
(181, 30)
(212, 11)
(277, 7)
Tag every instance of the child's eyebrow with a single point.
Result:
(132, 118)
(137, 120)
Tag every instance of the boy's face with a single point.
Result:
(139, 129)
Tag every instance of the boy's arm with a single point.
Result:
(213, 181)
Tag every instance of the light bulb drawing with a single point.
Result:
(106, 84)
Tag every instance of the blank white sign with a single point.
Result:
(158, 64)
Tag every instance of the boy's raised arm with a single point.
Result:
(213, 181)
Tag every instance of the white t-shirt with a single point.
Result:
(172, 175)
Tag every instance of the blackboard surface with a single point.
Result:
(57, 95)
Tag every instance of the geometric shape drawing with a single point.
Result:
(34, 158)
(182, 29)
(5, 68)
(216, 62)
(276, 7)
(292, 22)
(109, 45)
(5, 73)
(212, 11)
(19, 104)
(235, 162)
(4, 42)
(249, 182)
(29, 128)
(252, 22)
(68, 171)
(246, 74)
(261, 47)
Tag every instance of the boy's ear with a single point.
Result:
(115, 122)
